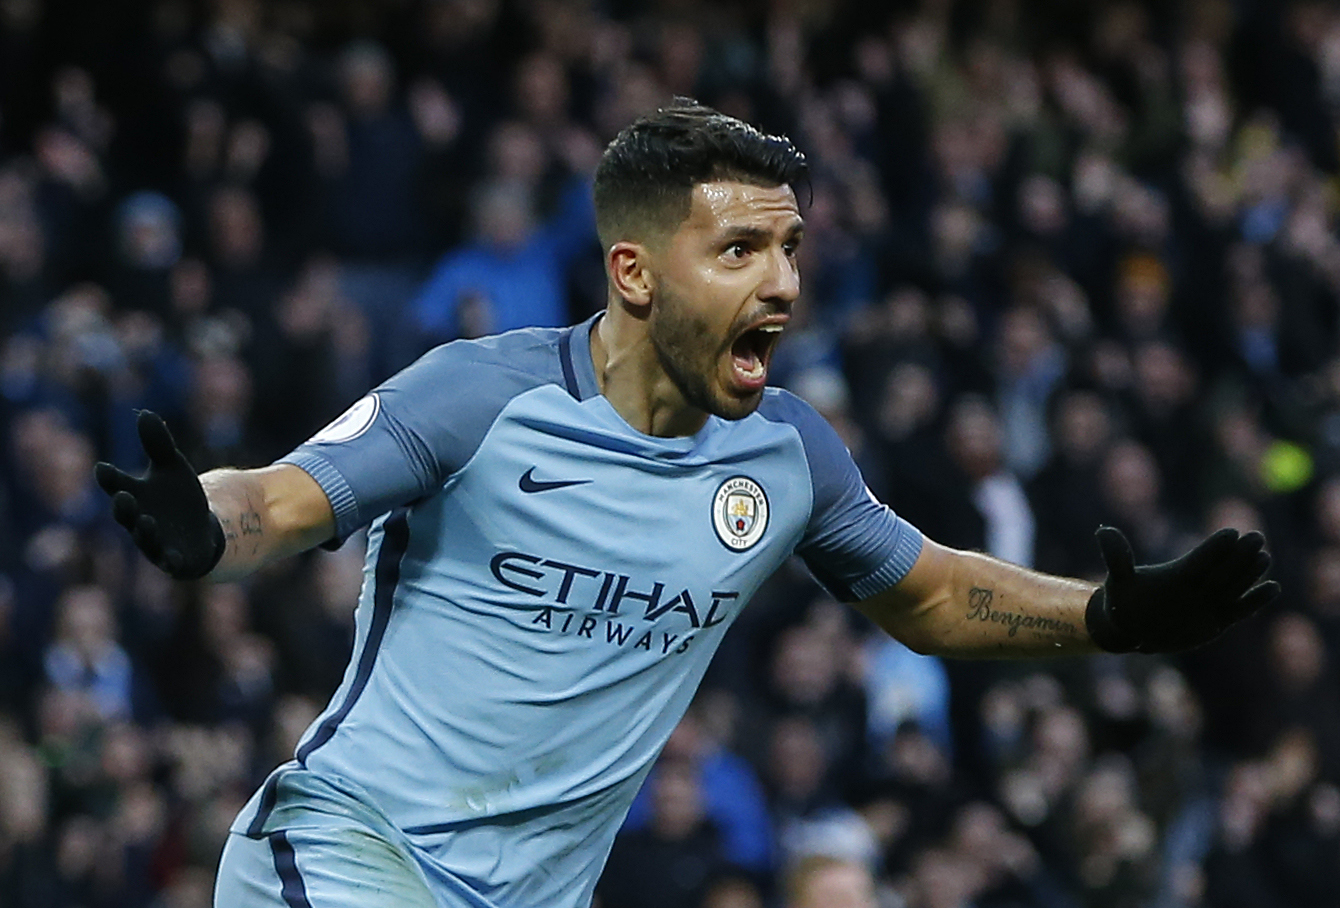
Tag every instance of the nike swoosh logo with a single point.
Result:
(529, 483)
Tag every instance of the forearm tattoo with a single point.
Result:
(247, 524)
(980, 601)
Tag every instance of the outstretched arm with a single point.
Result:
(265, 514)
(956, 603)
(224, 524)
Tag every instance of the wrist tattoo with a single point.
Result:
(246, 523)
(250, 522)
(980, 600)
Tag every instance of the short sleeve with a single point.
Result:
(853, 544)
(404, 439)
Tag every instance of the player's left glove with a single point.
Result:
(1180, 604)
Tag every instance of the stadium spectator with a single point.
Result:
(513, 272)
(830, 882)
(671, 861)
(733, 799)
(1152, 178)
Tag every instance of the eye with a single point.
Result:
(791, 248)
(737, 250)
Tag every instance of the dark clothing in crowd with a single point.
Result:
(1065, 265)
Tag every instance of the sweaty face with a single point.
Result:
(725, 284)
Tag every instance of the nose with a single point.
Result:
(782, 284)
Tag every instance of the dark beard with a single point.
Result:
(680, 344)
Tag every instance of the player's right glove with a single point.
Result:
(1180, 604)
(165, 510)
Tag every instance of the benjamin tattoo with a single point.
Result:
(979, 609)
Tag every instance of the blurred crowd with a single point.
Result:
(1066, 264)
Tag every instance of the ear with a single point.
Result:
(629, 269)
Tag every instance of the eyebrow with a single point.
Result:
(759, 236)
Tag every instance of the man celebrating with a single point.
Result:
(564, 523)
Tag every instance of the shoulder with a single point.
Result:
(833, 472)
(456, 390)
(527, 353)
(781, 406)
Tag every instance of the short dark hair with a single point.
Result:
(645, 178)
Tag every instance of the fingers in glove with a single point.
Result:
(1238, 576)
(1117, 554)
(1248, 603)
(1258, 566)
(126, 510)
(146, 536)
(1250, 544)
(1211, 553)
(157, 440)
(111, 480)
(1256, 598)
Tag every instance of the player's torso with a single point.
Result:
(557, 602)
(567, 522)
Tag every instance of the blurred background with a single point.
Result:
(1067, 263)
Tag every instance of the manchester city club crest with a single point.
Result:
(740, 513)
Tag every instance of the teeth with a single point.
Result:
(755, 372)
(771, 329)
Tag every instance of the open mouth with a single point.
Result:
(751, 352)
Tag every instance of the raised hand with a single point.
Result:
(1179, 604)
(165, 510)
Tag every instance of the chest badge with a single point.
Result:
(740, 513)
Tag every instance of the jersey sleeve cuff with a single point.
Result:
(333, 483)
(907, 545)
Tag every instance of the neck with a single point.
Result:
(630, 376)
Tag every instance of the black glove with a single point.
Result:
(165, 510)
(1180, 604)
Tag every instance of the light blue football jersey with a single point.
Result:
(543, 591)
